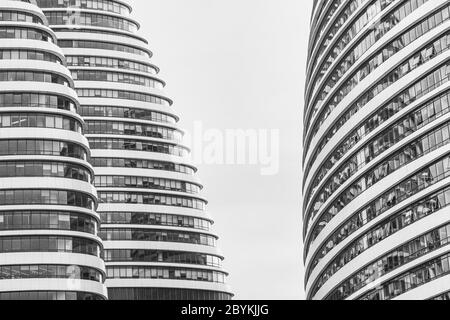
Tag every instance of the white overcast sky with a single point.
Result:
(239, 64)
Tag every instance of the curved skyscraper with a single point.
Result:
(376, 156)
(49, 246)
(157, 235)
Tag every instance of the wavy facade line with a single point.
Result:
(50, 248)
(158, 236)
(376, 155)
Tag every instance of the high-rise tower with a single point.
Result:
(377, 150)
(157, 235)
(49, 247)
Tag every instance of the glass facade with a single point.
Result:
(375, 150)
(166, 273)
(47, 196)
(166, 294)
(49, 295)
(389, 50)
(153, 218)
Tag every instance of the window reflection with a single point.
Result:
(25, 33)
(26, 54)
(409, 153)
(139, 255)
(37, 219)
(49, 295)
(146, 183)
(141, 164)
(133, 129)
(395, 223)
(90, 75)
(353, 29)
(165, 294)
(377, 146)
(108, 62)
(137, 145)
(425, 85)
(53, 197)
(105, 5)
(339, 21)
(165, 273)
(158, 219)
(124, 112)
(379, 58)
(429, 52)
(383, 54)
(39, 120)
(8, 15)
(151, 198)
(108, 234)
(36, 100)
(118, 94)
(91, 19)
(418, 118)
(443, 297)
(43, 271)
(49, 244)
(420, 275)
(33, 76)
(419, 181)
(377, 32)
(42, 147)
(44, 169)
(101, 45)
(391, 261)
